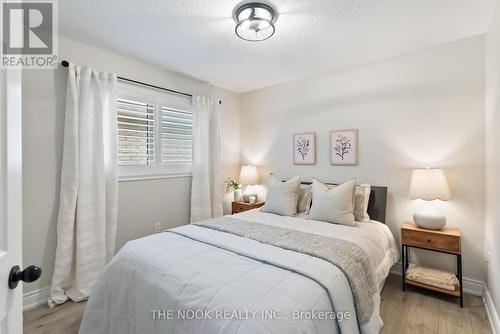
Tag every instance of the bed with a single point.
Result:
(232, 275)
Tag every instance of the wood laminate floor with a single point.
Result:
(413, 311)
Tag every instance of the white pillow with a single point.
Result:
(361, 198)
(282, 196)
(304, 199)
(335, 205)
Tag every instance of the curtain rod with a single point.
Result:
(65, 63)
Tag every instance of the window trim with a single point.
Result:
(133, 178)
(157, 170)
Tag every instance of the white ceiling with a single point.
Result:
(196, 37)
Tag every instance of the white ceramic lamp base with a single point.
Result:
(430, 221)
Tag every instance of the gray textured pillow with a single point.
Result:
(304, 200)
(333, 205)
(361, 198)
(282, 196)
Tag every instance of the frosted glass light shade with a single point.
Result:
(248, 175)
(429, 184)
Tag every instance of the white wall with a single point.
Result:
(141, 203)
(492, 229)
(230, 149)
(420, 109)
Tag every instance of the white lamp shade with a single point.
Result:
(429, 184)
(248, 175)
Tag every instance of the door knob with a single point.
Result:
(28, 275)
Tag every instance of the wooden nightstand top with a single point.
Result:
(451, 231)
(446, 240)
(238, 207)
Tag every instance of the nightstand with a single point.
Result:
(447, 240)
(238, 207)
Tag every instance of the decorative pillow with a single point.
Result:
(282, 196)
(304, 200)
(333, 205)
(361, 198)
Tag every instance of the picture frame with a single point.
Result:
(304, 148)
(344, 147)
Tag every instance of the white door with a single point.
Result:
(11, 316)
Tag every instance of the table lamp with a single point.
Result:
(249, 178)
(429, 184)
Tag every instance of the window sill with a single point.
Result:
(133, 178)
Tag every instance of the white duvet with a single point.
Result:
(198, 280)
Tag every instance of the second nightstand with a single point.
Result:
(447, 240)
(238, 207)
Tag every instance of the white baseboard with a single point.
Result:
(491, 311)
(36, 298)
(471, 286)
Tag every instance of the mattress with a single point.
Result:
(200, 272)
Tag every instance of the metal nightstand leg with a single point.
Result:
(403, 266)
(407, 261)
(459, 274)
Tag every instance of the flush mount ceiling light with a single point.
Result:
(255, 21)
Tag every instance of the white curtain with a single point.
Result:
(86, 226)
(206, 189)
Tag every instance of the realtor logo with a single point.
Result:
(29, 34)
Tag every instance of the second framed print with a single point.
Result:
(344, 147)
(304, 148)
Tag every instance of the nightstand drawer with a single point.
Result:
(431, 241)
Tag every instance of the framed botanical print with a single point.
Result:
(304, 148)
(344, 147)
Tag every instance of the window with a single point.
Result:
(136, 133)
(155, 133)
(176, 136)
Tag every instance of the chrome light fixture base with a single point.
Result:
(255, 21)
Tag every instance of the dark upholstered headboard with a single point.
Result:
(377, 204)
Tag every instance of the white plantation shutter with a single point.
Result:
(176, 136)
(155, 132)
(136, 133)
